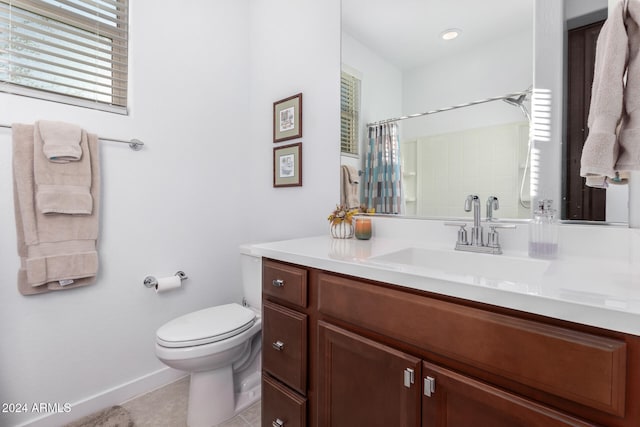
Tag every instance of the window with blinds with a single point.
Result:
(70, 51)
(350, 113)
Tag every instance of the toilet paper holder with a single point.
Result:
(151, 282)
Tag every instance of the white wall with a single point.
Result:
(295, 47)
(203, 184)
(381, 91)
(573, 8)
(465, 78)
(452, 165)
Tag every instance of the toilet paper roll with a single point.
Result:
(168, 283)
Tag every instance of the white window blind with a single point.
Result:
(350, 113)
(71, 51)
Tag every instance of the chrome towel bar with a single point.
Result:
(134, 144)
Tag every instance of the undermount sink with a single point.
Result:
(455, 263)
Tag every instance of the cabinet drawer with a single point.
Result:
(580, 367)
(281, 406)
(285, 282)
(284, 348)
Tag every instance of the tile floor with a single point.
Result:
(167, 407)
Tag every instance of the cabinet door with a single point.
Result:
(365, 383)
(454, 400)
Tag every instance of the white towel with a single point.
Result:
(56, 251)
(349, 193)
(62, 188)
(612, 148)
(629, 135)
(600, 151)
(61, 141)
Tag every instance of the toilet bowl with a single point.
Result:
(220, 347)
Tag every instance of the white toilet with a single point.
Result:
(220, 346)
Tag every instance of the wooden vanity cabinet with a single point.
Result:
(360, 385)
(383, 355)
(481, 365)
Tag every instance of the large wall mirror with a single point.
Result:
(395, 53)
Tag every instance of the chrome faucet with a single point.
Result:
(476, 230)
(472, 202)
(492, 205)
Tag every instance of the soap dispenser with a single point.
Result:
(543, 231)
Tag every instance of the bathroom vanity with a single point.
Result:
(355, 335)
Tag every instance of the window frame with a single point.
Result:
(118, 61)
(350, 108)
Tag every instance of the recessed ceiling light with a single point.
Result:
(450, 33)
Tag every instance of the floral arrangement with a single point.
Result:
(342, 214)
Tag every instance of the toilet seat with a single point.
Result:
(206, 326)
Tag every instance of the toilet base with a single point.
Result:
(250, 392)
(212, 401)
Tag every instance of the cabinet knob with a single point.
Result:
(278, 345)
(278, 423)
(278, 283)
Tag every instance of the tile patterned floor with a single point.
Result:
(167, 407)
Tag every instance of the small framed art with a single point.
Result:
(287, 118)
(287, 165)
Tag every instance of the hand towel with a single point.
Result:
(62, 188)
(61, 141)
(56, 251)
(600, 151)
(349, 193)
(629, 135)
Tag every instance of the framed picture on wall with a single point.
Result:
(287, 165)
(287, 118)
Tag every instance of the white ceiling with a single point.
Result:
(406, 32)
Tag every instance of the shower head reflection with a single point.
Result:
(519, 102)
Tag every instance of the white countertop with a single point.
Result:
(597, 291)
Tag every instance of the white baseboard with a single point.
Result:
(114, 396)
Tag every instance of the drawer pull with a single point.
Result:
(278, 283)
(429, 386)
(278, 345)
(278, 423)
(409, 377)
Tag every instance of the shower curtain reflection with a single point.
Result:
(383, 171)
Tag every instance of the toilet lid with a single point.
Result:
(206, 326)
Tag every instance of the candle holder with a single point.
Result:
(362, 227)
(342, 230)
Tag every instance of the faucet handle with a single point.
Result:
(495, 225)
(462, 232)
(493, 238)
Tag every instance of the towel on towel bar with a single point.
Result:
(56, 251)
(349, 187)
(61, 141)
(62, 188)
(629, 135)
(612, 148)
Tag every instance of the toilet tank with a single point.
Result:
(251, 266)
